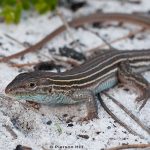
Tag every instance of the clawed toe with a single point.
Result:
(139, 99)
(144, 100)
(143, 104)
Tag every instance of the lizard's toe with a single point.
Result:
(143, 104)
(144, 98)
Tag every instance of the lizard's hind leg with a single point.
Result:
(89, 99)
(130, 78)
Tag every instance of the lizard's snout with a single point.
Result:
(8, 89)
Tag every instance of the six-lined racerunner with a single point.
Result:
(81, 84)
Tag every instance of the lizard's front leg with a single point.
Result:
(127, 76)
(89, 99)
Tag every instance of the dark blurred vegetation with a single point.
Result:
(11, 10)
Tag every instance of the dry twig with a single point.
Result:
(116, 118)
(11, 131)
(49, 37)
(68, 28)
(128, 112)
(116, 40)
(65, 23)
(12, 38)
(129, 146)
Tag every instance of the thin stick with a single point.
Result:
(104, 40)
(12, 38)
(59, 60)
(129, 146)
(68, 28)
(116, 40)
(24, 65)
(107, 43)
(76, 23)
(71, 61)
(116, 118)
(128, 112)
(64, 64)
(10, 130)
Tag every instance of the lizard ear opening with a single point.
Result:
(50, 90)
(32, 84)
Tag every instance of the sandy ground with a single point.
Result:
(41, 129)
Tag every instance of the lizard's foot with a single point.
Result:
(127, 76)
(143, 104)
(138, 99)
(145, 95)
(33, 104)
(88, 98)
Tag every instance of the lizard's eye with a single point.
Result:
(32, 85)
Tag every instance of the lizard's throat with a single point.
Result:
(51, 99)
(34, 97)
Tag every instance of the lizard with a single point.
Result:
(81, 84)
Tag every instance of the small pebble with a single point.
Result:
(49, 122)
(70, 125)
(71, 53)
(83, 136)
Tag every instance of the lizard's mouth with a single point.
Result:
(18, 94)
(14, 91)
(8, 90)
(25, 95)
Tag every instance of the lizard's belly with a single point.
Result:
(106, 84)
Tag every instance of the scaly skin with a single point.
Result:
(81, 84)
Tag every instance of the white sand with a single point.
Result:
(30, 125)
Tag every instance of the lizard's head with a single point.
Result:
(33, 86)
